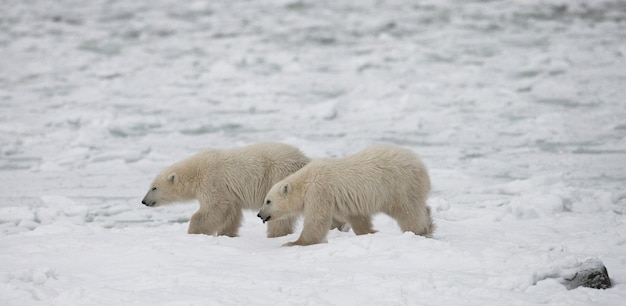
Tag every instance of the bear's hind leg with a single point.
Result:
(361, 225)
(340, 224)
(231, 219)
(281, 227)
(417, 221)
(200, 223)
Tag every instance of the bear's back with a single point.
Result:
(373, 159)
(378, 169)
(249, 172)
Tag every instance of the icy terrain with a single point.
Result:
(517, 107)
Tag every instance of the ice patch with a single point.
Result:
(223, 70)
(57, 207)
(327, 110)
(534, 206)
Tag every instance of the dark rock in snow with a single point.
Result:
(590, 273)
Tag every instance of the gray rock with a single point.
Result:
(590, 273)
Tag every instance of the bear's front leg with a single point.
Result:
(314, 231)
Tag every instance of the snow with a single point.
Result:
(516, 107)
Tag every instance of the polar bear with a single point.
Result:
(225, 182)
(380, 179)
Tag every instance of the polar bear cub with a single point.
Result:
(380, 179)
(225, 182)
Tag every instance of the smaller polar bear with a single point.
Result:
(382, 178)
(225, 182)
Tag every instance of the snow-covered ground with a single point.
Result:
(517, 107)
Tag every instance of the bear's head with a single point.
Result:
(165, 189)
(282, 201)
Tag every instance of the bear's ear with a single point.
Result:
(172, 178)
(285, 189)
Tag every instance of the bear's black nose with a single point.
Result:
(265, 219)
(143, 202)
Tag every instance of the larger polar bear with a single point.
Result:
(225, 182)
(380, 179)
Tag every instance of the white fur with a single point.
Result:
(380, 179)
(225, 182)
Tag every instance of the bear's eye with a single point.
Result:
(153, 188)
(268, 202)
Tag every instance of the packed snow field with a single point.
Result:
(517, 108)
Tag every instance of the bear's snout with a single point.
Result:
(264, 218)
(147, 203)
